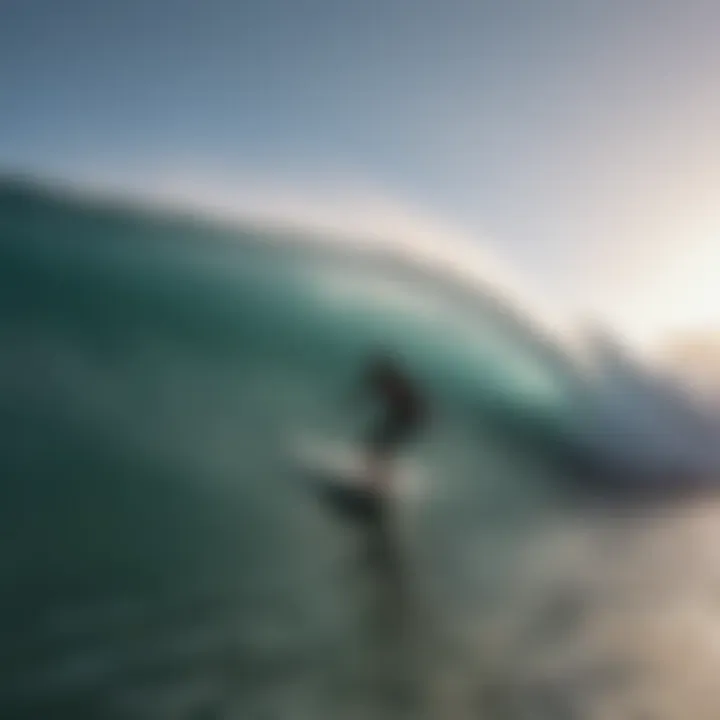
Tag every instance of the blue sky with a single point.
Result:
(578, 139)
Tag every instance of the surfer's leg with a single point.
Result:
(373, 456)
(381, 448)
(378, 470)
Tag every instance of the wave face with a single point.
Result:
(161, 556)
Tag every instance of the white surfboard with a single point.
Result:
(333, 458)
(339, 472)
(343, 464)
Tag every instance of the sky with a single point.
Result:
(575, 141)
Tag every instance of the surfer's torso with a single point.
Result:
(401, 408)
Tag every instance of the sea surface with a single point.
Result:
(163, 555)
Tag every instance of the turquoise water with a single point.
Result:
(162, 556)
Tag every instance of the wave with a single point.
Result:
(161, 556)
(241, 279)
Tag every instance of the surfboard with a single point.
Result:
(338, 472)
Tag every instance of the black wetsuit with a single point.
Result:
(403, 412)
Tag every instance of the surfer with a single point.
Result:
(402, 413)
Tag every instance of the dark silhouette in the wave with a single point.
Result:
(402, 413)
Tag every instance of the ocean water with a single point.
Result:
(163, 555)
